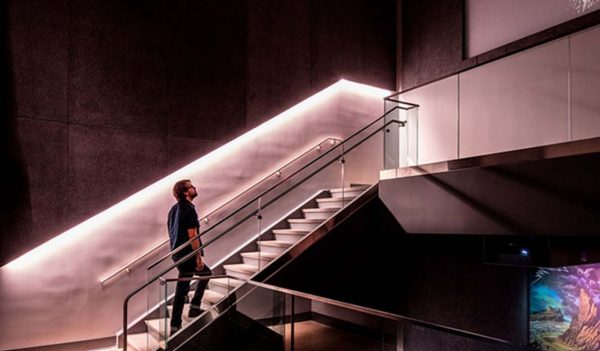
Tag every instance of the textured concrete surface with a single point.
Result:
(39, 50)
(108, 165)
(47, 174)
(144, 87)
(432, 40)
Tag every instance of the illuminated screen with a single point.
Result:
(563, 310)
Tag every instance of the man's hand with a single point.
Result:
(199, 263)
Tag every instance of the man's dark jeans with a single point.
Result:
(186, 270)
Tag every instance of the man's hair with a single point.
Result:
(179, 188)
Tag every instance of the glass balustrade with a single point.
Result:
(327, 181)
(401, 140)
(259, 316)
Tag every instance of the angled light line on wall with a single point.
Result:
(57, 243)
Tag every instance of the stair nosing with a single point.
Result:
(317, 210)
(221, 282)
(264, 254)
(304, 220)
(277, 243)
(335, 199)
(241, 267)
(352, 188)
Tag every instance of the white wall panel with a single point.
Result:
(517, 102)
(585, 84)
(438, 119)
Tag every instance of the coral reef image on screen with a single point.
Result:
(563, 311)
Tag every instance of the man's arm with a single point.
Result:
(192, 233)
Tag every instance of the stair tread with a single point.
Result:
(334, 199)
(351, 188)
(304, 220)
(256, 254)
(184, 318)
(277, 243)
(291, 231)
(157, 323)
(227, 282)
(209, 295)
(212, 296)
(143, 341)
(319, 210)
(241, 267)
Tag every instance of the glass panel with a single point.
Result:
(258, 317)
(252, 319)
(392, 137)
(159, 331)
(322, 326)
(314, 188)
(401, 139)
(163, 320)
(412, 137)
(144, 334)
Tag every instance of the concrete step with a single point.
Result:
(303, 223)
(289, 235)
(256, 257)
(274, 246)
(185, 320)
(352, 191)
(209, 299)
(212, 297)
(212, 313)
(240, 270)
(224, 285)
(143, 342)
(159, 327)
(319, 213)
(334, 202)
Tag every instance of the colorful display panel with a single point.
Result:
(563, 311)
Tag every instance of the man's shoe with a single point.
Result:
(174, 330)
(195, 312)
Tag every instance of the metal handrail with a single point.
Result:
(181, 247)
(201, 277)
(390, 98)
(162, 282)
(350, 306)
(386, 315)
(194, 252)
(128, 267)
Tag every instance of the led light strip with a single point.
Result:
(90, 225)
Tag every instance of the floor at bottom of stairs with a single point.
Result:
(314, 336)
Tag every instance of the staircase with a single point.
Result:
(244, 264)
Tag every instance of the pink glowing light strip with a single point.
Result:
(89, 226)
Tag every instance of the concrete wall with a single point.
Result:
(109, 96)
(435, 34)
(61, 279)
(431, 40)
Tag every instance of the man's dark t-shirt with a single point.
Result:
(182, 216)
